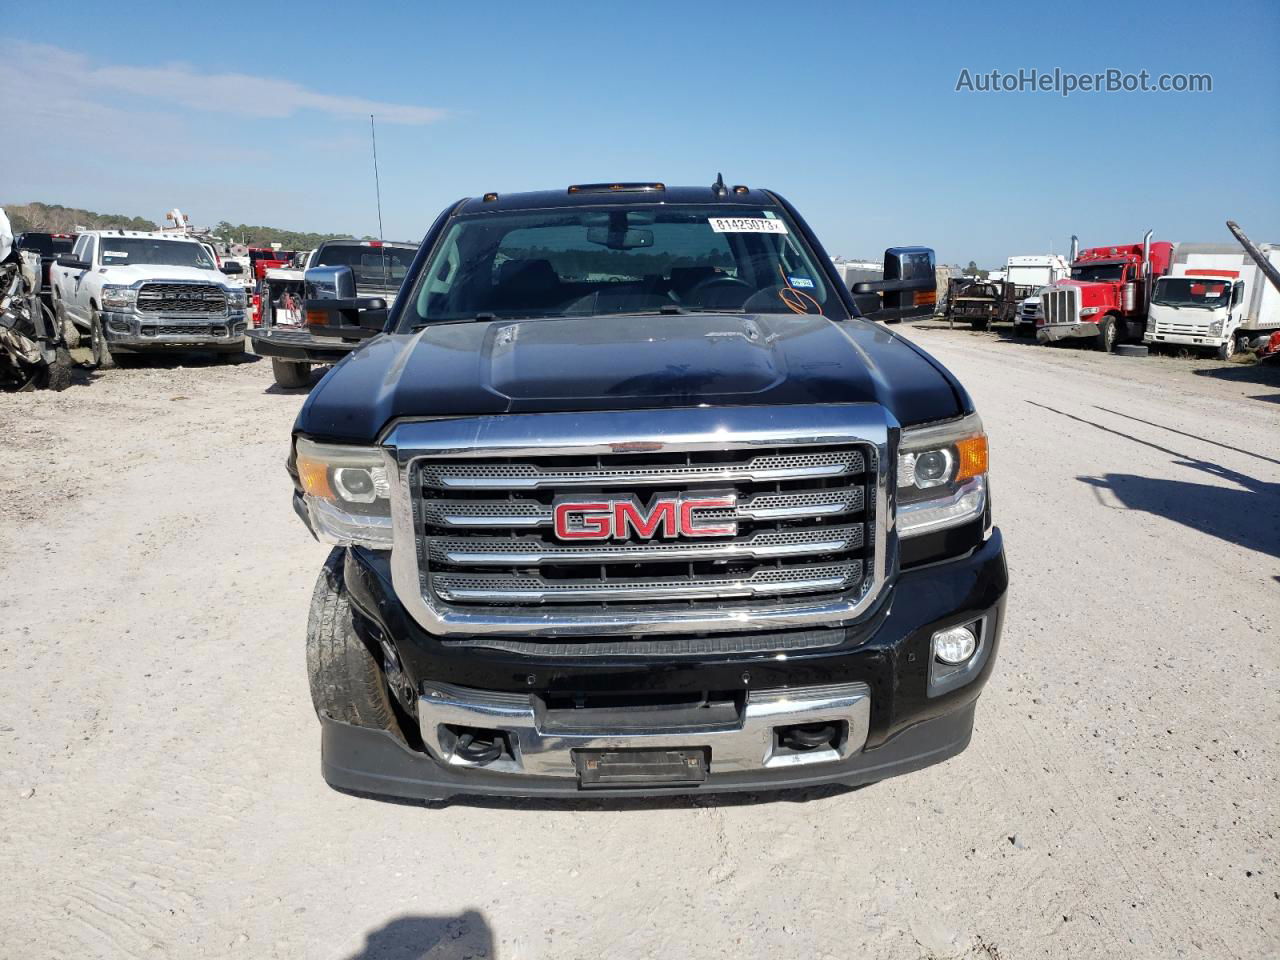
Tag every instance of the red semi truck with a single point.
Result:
(1106, 296)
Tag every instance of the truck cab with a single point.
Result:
(1105, 298)
(1215, 299)
(138, 292)
(376, 269)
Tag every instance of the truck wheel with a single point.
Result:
(290, 374)
(346, 681)
(57, 376)
(1107, 334)
(1227, 350)
(102, 357)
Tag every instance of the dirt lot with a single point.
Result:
(160, 793)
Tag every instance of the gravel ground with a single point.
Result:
(160, 793)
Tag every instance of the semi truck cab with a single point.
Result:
(1105, 298)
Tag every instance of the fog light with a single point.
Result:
(954, 645)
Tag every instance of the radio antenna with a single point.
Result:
(377, 189)
(377, 186)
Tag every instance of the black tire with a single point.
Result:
(346, 682)
(289, 374)
(1107, 334)
(57, 376)
(102, 357)
(1227, 350)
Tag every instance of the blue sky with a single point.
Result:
(258, 113)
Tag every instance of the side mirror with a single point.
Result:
(72, 263)
(909, 287)
(231, 268)
(332, 308)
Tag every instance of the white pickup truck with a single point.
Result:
(135, 292)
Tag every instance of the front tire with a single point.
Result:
(346, 682)
(100, 349)
(290, 375)
(1226, 350)
(1107, 334)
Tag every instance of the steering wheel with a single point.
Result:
(716, 284)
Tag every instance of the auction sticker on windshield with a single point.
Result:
(746, 225)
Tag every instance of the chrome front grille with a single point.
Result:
(181, 298)
(801, 528)
(804, 542)
(1060, 306)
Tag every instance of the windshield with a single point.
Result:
(1098, 272)
(372, 266)
(46, 245)
(122, 251)
(646, 258)
(1191, 292)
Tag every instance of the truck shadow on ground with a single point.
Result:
(1247, 514)
(429, 938)
(1264, 374)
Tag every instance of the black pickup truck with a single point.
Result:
(629, 497)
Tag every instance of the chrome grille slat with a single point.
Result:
(526, 551)
(799, 504)
(500, 476)
(773, 581)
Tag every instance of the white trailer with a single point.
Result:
(1214, 298)
(1028, 273)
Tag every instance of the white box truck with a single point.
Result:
(1214, 298)
(1028, 274)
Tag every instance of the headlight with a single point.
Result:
(347, 493)
(942, 476)
(235, 298)
(1089, 311)
(116, 297)
(1215, 328)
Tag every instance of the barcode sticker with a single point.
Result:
(746, 225)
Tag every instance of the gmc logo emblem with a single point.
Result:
(666, 517)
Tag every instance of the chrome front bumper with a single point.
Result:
(1052, 333)
(131, 329)
(543, 743)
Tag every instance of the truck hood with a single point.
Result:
(1092, 293)
(128, 275)
(625, 362)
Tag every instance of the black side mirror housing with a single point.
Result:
(71, 262)
(909, 287)
(332, 308)
(232, 267)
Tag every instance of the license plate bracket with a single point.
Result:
(642, 767)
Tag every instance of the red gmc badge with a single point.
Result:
(668, 517)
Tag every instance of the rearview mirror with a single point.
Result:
(71, 262)
(332, 308)
(232, 267)
(329, 283)
(909, 287)
(620, 239)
